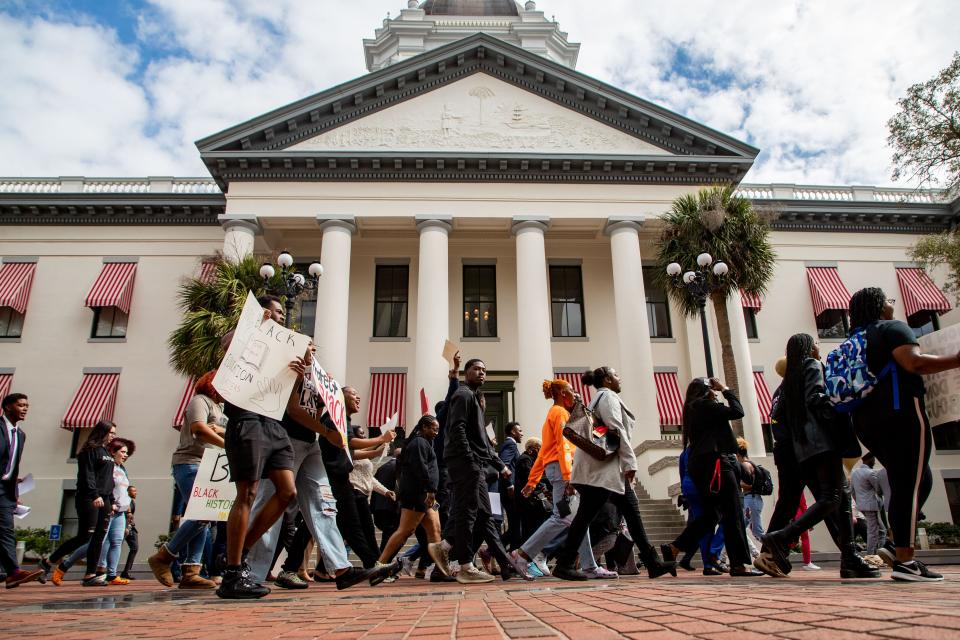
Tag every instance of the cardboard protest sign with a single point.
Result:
(449, 350)
(943, 389)
(330, 394)
(255, 375)
(213, 494)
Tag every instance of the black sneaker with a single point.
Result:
(354, 576)
(126, 576)
(857, 567)
(888, 553)
(914, 571)
(437, 576)
(569, 573)
(238, 584)
(712, 571)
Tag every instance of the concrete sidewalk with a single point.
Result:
(807, 606)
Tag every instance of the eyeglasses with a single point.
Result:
(891, 301)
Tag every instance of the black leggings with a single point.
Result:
(592, 501)
(350, 522)
(828, 483)
(902, 442)
(92, 523)
(725, 507)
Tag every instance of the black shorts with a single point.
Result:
(255, 448)
(413, 501)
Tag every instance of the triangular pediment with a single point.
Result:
(479, 114)
(472, 105)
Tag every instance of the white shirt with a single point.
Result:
(10, 433)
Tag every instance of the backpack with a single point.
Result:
(848, 377)
(762, 481)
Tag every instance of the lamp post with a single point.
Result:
(697, 284)
(292, 284)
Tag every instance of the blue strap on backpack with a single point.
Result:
(848, 377)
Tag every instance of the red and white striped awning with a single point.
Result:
(6, 380)
(764, 401)
(113, 287)
(669, 399)
(94, 401)
(574, 379)
(920, 293)
(208, 271)
(827, 290)
(184, 401)
(388, 392)
(16, 280)
(750, 301)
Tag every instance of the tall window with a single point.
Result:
(109, 322)
(390, 307)
(11, 323)
(658, 306)
(479, 301)
(750, 320)
(566, 302)
(833, 323)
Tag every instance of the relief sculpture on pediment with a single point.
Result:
(475, 115)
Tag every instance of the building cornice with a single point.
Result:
(110, 209)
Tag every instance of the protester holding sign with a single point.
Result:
(892, 421)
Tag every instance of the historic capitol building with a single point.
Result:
(472, 186)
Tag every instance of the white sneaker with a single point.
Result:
(469, 574)
(541, 561)
(600, 573)
(811, 567)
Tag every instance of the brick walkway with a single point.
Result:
(804, 607)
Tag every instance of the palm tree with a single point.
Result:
(726, 226)
(211, 308)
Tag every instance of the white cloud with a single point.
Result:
(812, 83)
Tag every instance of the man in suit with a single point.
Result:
(15, 408)
(509, 454)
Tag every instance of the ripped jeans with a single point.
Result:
(317, 506)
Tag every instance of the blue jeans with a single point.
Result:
(557, 524)
(712, 544)
(317, 505)
(191, 535)
(752, 509)
(109, 552)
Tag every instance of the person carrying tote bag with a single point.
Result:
(608, 479)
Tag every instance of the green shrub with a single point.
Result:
(943, 533)
(38, 540)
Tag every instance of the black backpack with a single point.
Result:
(762, 481)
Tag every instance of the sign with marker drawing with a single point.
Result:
(213, 494)
(254, 375)
(943, 389)
(330, 395)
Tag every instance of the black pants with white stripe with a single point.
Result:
(902, 442)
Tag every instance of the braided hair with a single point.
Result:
(866, 307)
(799, 348)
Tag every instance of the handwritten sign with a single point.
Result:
(330, 395)
(943, 389)
(254, 374)
(213, 494)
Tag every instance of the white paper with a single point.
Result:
(26, 485)
(495, 508)
(212, 495)
(490, 432)
(21, 512)
(387, 426)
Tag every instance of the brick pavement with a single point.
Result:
(806, 607)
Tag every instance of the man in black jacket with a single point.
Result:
(15, 408)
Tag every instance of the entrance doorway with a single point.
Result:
(499, 399)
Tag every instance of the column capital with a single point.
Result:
(337, 221)
(623, 222)
(529, 222)
(434, 221)
(241, 221)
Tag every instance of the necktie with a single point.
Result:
(11, 447)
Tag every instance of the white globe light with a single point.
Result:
(285, 260)
(674, 269)
(315, 270)
(704, 259)
(267, 271)
(299, 279)
(689, 277)
(721, 269)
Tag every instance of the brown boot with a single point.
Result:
(191, 578)
(160, 565)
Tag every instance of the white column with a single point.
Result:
(239, 235)
(752, 426)
(630, 301)
(333, 295)
(433, 311)
(534, 356)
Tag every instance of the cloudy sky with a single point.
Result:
(125, 87)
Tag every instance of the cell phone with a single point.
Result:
(563, 507)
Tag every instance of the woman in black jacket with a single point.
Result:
(94, 501)
(713, 467)
(816, 432)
